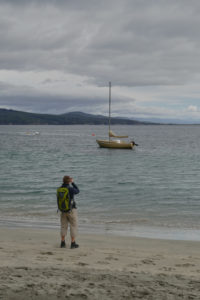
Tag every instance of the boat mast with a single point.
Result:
(109, 108)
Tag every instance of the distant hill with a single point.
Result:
(12, 117)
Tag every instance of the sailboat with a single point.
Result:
(117, 143)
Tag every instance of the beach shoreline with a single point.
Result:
(107, 228)
(33, 266)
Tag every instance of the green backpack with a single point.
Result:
(63, 199)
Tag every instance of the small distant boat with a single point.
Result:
(117, 143)
(32, 133)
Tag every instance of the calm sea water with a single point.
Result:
(151, 191)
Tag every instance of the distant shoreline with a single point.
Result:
(150, 124)
(13, 117)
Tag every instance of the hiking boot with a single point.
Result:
(74, 245)
(62, 245)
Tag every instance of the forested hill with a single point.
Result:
(12, 117)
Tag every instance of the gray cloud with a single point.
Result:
(53, 104)
(134, 43)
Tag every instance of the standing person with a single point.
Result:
(68, 208)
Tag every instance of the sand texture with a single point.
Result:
(33, 266)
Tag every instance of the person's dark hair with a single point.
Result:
(66, 179)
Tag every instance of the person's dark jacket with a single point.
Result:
(73, 190)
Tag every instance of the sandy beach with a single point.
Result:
(33, 266)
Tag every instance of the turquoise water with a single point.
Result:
(151, 191)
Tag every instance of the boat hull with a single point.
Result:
(114, 144)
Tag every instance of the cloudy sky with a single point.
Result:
(58, 56)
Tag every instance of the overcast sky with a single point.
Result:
(58, 56)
